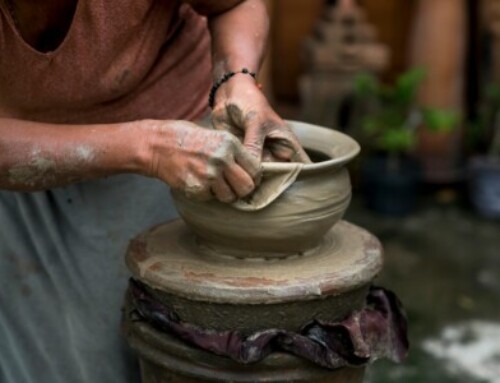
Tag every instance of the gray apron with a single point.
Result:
(62, 278)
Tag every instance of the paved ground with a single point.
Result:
(444, 263)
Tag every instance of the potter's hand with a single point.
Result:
(201, 162)
(241, 108)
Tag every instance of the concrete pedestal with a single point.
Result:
(221, 293)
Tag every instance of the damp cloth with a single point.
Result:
(276, 178)
(377, 331)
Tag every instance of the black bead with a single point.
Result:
(217, 84)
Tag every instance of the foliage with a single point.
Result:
(440, 120)
(393, 116)
(484, 131)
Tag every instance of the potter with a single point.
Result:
(96, 99)
(96, 103)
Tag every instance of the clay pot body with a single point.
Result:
(297, 220)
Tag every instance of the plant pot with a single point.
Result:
(484, 186)
(391, 192)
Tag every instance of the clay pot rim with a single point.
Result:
(351, 147)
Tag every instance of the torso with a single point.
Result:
(103, 61)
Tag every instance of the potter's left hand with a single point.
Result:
(241, 108)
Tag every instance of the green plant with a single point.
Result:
(393, 116)
(440, 120)
(387, 123)
(484, 131)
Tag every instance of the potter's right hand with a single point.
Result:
(200, 162)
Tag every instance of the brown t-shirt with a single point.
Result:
(121, 60)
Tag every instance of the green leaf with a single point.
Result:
(386, 124)
(397, 140)
(370, 125)
(493, 92)
(440, 120)
(365, 84)
(408, 83)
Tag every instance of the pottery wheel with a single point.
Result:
(210, 289)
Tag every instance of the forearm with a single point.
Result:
(36, 156)
(239, 37)
(239, 30)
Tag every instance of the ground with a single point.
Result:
(444, 264)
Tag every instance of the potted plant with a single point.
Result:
(391, 174)
(484, 167)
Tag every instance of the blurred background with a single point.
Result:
(417, 83)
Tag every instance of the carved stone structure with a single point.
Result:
(343, 45)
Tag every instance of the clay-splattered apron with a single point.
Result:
(62, 274)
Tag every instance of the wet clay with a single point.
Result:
(168, 258)
(42, 168)
(289, 220)
(276, 178)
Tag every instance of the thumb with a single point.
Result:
(254, 137)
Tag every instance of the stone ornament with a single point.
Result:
(342, 45)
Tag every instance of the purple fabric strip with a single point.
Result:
(377, 331)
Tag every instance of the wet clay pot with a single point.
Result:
(296, 221)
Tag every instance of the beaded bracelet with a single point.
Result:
(222, 80)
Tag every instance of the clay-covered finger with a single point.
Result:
(301, 155)
(288, 150)
(239, 180)
(254, 137)
(284, 145)
(198, 194)
(267, 156)
(196, 189)
(247, 161)
(222, 191)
